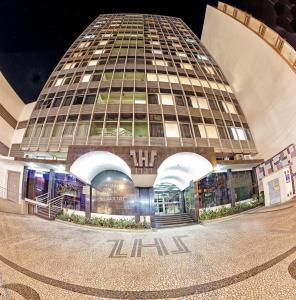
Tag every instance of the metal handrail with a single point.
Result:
(56, 202)
(42, 196)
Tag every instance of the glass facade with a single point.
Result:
(213, 189)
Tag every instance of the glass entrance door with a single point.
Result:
(168, 200)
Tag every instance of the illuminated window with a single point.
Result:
(202, 131)
(89, 36)
(238, 134)
(229, 107)
(154, 51)
(173, 79)
(204, 83)
(86, 78)
(59, 81)
(92, 62)
(186, 66)
(202, 57)
(211, 131)
(166, 99)
(83, 44)
(198, 102)
(155, 43)
(70, 66)
(181, 54)
(184, 80)
(140, 98)
(172, 38)
(177, 45)
(99, 51)
(209, 70)
(101, 43)
(171, 129)
(158, 62)
(163, 78)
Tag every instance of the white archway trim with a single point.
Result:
(90, 164)
(181, 168)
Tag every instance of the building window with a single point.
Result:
(92, 62)
(83, 44)
(186, 66)
(202, 57)
(125, 129)
(69, 66)
(96, 128)
(155, 43)
(171, 129)
(102, 43)
(166, 99)
(110, 129)
(186, 130)
(211, 131)
(238, 134)
(151, 77)
(173, 79)
(185, 80)
(158, 62)
(181, 54)
(140, 98)
(86, 78)
(209, 70)
(89, 36)
(99, 51)
(141, 129)
(69, 128)
(58, 128)
(229, 107)
(82, 129)
(156, 129)
(107, 35)
(198, 102)
(154, 51)
(163, 78)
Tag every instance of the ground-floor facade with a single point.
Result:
(132, 182)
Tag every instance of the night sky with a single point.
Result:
(34, 35)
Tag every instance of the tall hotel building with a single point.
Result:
(137, 119)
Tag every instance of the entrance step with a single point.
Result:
(173, 220)
(43, 212)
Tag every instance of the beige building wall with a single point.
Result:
(263, 82)
(12, 111)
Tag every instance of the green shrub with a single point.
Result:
(102, 222)
(227, 211)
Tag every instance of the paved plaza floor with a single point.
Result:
(249, 256)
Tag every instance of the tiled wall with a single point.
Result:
(284, 158)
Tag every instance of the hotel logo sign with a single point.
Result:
(143, 158)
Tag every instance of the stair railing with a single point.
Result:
(42, 198)
(55, 203)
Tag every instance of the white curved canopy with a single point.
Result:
(181, 168)
(90, 164)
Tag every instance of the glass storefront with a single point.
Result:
(69, 186)
(63, 184)
(213, 190)
(37, 183)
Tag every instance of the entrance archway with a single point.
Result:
(90, 164)
(174, 188)
(182, 168)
